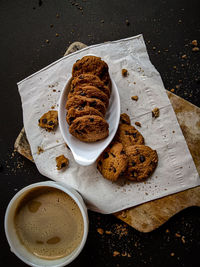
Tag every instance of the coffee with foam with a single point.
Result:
(49, 223)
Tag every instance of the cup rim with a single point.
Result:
(79, 201)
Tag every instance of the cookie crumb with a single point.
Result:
(172, 254)
(137, 123)
(172, 90)
(108, 232)
(155, 112)
(183, 239)
(195, 49)
(124, 72)
(116, 253)
(40, 150)
(184, 56)
(100, 231)
(177, 235)
(194, 42)
(134, 97)
(127, 22)
(62, 162)
(57, 34)
(49, 120)
(47, 41)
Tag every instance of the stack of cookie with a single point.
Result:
(127, 155)
(88, 99)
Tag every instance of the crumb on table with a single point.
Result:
(134, 97)
(62, 162)
(137, 123)
(124, 72)
(155, 112)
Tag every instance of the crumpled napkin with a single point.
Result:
(175, 171)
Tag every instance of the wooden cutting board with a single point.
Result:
(149, 216)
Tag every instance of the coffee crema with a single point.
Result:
(49, 223)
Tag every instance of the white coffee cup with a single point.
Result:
(16, 246)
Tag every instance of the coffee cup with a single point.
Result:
(46, 224)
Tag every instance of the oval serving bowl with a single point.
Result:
(87, 153)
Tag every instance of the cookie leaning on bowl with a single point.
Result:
(94, 65)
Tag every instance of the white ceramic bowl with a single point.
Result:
(86, 153)
(15, 245)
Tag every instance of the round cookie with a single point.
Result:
(80, 102)
(125, 119)
(128, 135)
(89, 128)
(142, 161)
(94, 65)
(89, 79)
(112, 162)
(91, 92)
(74, 113)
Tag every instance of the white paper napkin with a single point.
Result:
(176, 170)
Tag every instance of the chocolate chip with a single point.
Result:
(91, 119)
(93, 104)
(105, 155)
(80, 108)
(114, 170)
(122, 152)
(71, 119)
(128, 133)
(83, 104)
(113, 155)
(77, 60)
(82, 94)
(72, 90)
(63, 165)
(77, 131)
(50, 123)
(81, 77)
(44, 121)
(100, 162)
(134, 174)
(142, 158)
(39, 120)
(133, 163)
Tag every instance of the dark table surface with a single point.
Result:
(168, 28)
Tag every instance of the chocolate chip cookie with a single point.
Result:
(112, 162)
(124, 118)
(93, 65)
(90, 92)
(74, 113)
(142, 161)
(128, 135)
(89, 79)
(49, 120)
(89, 128)
(80, 102)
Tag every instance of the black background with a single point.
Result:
(168, 28)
